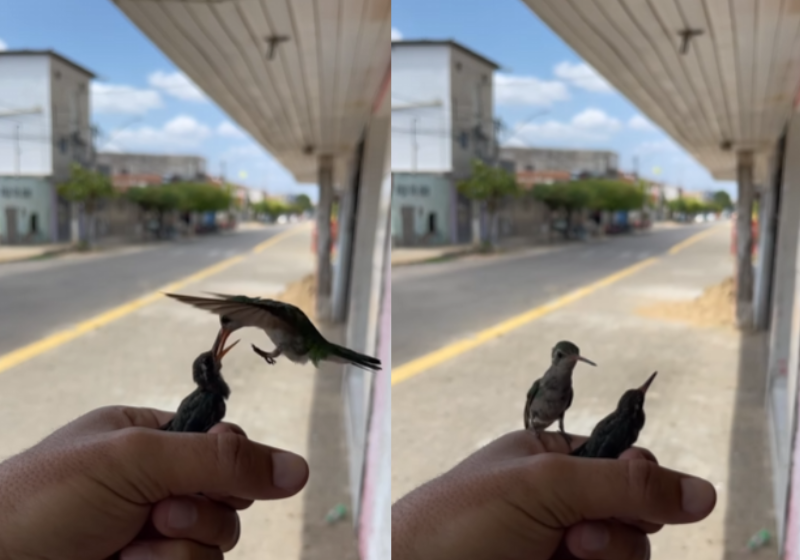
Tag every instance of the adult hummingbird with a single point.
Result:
(619, 430)
(289, 329)
(205, 406)
(551, 395)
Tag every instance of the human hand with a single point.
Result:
(522, 497)
(110, 481)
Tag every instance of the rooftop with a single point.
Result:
(447, 42)
(51, 53)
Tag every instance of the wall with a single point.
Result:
(574, 161)
(24, 85)
(420, 75)
(427, 194)
(29, 196)
(72, 135)
(136, 164)
(473, 111)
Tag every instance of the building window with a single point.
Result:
(458, 67)
(528, 168)
(464, 140)
(424, 191)
(62, 145)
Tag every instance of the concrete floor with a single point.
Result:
(144, 359)
(705, 411)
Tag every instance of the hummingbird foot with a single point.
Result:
(269, 357)
(566, 436)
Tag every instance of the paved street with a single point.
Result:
(40, 297)
(706, 402)
(458, 298)
(144, 357)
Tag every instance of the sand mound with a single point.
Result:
(302, 294)
(716, 307)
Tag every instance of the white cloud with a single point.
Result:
(589, 125)
(243, 152)
(110, 98)
(396, 35)
(638, 122)
(527, 90)
(181, 133)
(583, 76)
(3, 45)
(655, 147)
(227, 128)
(177, 85)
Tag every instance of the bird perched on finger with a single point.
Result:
(619, 430)
(289, 329)
(550, 396)
(205, 406)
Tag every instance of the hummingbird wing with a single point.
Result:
(529, 401)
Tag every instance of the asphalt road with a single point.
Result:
(436, 304)
(38, 298)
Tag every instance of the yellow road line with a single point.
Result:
(424, 363)
(33, 349)
(691, 240)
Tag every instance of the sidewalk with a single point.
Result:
(12, 253)
(704, 411)
(412, 255)
(144, 359)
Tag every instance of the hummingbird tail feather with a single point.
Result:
(347, 356)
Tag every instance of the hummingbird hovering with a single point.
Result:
(551, 395)
(205, 406)
(619, 430)
(289, 329)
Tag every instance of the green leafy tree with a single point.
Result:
(89, 188)
(156, 198)
(272, 208)
(490, 185)
(722, 200)
(302, 203)
(203, 197)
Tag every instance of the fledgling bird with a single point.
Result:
(551, 395)
(619, 430)
(205, 406)
(289, 329)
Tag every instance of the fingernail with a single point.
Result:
(182, 514)
(698, 496)
(594, 536)
(288, 470)
(139, 551)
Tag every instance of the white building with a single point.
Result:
(442, 119)
(44, 127)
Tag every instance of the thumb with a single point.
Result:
(224, 463)
(573, 489)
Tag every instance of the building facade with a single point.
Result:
(44, 127)
(169, 167)
(576, 162)
(442, 119)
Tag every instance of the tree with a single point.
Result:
(489, 185)
(203, 197)
(87, 187)
(156, 198)
(302, 203)
(722, 200)
(271, 207)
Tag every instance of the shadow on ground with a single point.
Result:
(328, 484)
(750, 501)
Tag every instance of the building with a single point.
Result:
(442, 119)
(691, 87)
(125, 181)
(44, 128)
(577, 162)
(527, 179)
(169, 167)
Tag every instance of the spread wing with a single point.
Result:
(260, 313)
(529, 401)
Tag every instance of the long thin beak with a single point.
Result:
(221, 354)
(647, 383)
(219, 349)
(586, 360)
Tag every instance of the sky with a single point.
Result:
(140, 100)
(545, 94)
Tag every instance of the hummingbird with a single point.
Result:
(551, 395)
(289, 329)
(619, 430)
(205, 406)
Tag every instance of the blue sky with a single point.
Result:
(539, 72)
(140, 100)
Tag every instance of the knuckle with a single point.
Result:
(642, 478)
(229, 453)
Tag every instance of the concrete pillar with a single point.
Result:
(744, 240)
(324, 207)
(768, 226)
(347, 226)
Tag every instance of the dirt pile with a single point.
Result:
(716, 307)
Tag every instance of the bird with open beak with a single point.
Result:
(289, 329)
(205, 406)
(550, 396)
(619, 430)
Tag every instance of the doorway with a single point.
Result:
(12, 231)
(408, 225)
(432, 223)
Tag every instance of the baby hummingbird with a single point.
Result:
(551, 395)
(619, 430)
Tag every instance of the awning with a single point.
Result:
(313, 97)
(734, 87)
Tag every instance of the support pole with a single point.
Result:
(324, 207)
(744, 240)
